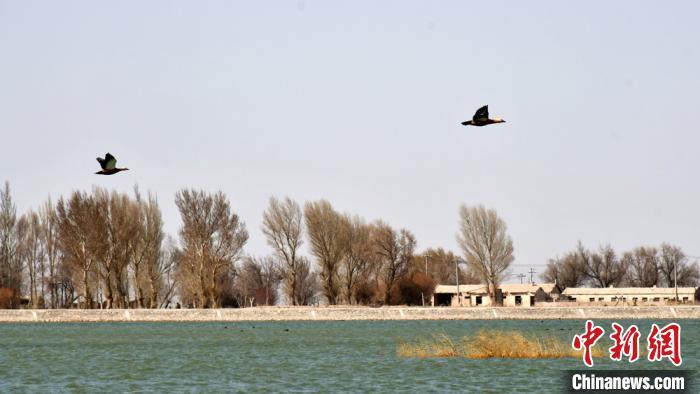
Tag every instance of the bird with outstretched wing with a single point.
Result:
(481, 118)
(109, 165)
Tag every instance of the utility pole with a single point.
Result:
(422, 297)
(675, 278)
(532, 271)
(459, 296)
(521, 276)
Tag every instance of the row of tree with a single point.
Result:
(108, 249)
(102, 247)
(357, 262)
(641, 267)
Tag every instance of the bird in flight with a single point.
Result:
(481, 118)
(109, 165)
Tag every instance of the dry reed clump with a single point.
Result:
(491, 344)
(439, 346)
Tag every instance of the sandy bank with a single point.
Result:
(348, 313)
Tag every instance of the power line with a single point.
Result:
(532, 271)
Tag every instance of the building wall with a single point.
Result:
(640, 299)
(525, 300)
(468, 299)
(454, 300)
(479, 300)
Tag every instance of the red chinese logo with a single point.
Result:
(665, 343)
(662, 343)
(626, 343)
(587, 340)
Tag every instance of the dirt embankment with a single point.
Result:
(348, 313)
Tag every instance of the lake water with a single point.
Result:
(358, 356)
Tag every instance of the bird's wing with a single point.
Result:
(109, 162)
(482, 113)
(102, 162)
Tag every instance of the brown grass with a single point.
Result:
(492, 344)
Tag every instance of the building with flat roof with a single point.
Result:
(469, 295)
(477, 295)
(631, 295)
(522, 294)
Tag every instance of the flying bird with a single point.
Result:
(109, 165)
(481, 118)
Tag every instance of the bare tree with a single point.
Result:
(212, 238)
(642, 267)
(114, 229)
(66, 284)
(566, 271)
(358, 258)
(439, 265)
(395, 252)
(672, 257)
(328, 235)
(31, 250)
(282, 228)
(161, 276)
(307, 282)
(47, 213)
(78, 233)
(258, 280)
(487, 247)
(603, 268)
(689, 274)
(10, 262)
(147, 246)
(21, 252)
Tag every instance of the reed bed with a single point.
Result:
(491, 344)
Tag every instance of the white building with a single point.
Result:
(522, 294)
(631, 295)
(469, 295)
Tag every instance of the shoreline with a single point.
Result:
(340, 313)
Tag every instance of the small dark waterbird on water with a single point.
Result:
(481, 118)
(109, 165)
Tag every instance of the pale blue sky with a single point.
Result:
(360, 103)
